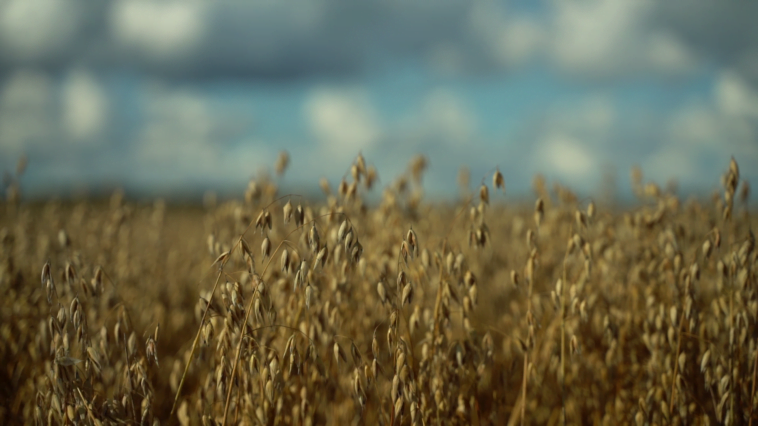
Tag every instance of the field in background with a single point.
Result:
(271, 310)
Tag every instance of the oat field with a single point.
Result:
(278, 309)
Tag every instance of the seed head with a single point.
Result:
(339, 353)
(360, 163)
(407, 294)
(356, 354)
(734, 169)
(342, 188)
(405, 252)
(514, 278)
(308, 296)
(412, 240)
(539, 211)
(581, 220)
(287, 211)
(497, 181)
(313, 239)
(382, 292)
(344, 228)
(260, 221)
(267, 219)
(322, 257)
(265, 248)
(299, 215)
(46, 272)
(484, 194)
(281, 162)
(285, 262)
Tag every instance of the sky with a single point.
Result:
(179, 97)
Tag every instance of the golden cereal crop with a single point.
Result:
(399, 312)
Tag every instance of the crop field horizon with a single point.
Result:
(277, 309)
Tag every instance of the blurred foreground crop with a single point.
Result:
(275, 310)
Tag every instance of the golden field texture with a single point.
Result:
(275, 310)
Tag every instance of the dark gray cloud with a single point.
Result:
(297, 38)
(259, 39)
(723, 33)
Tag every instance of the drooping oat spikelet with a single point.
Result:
(285, 261)
(412, 240)
(323, 183)
(63, 239)
(734, 169)
(469, 278)
(343, 230)
(407, 294)
(399, 403)
(484, 194)
(308, 296)
(245, 248)
(260, 221)
(356, 252)
(46, 273)
(400, 282)
(151, 350)
(299, 215)
(339, 354)
(287, 211)
(706, 249)
(498, 182)
(313, 239)
(267, 219)
(390, 339)
(322, 257)
(356, 354)
(405, 252)
(221, 259)
(348, 239)
(539, 211)
(581, 220)
(265, 248)
(382, 292)
(360, 163)
(352, 191)
(704, 363)
(281, 162)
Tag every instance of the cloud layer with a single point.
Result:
(171, 93)
(295, 38)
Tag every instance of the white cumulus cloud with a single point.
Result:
(566, 157)
(343, 121)
(35, 29)
(735, 96)
(719, 127)
(609, 38)
(26, 111)
(164, 31)
(572, 143)
(85, 107)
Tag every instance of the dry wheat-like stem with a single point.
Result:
(221, 260)
(194, 345)
(247, 317)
